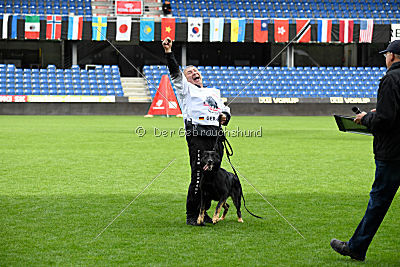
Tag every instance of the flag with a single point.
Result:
(124, 28)
(5, 26)
(238, 27)
(216, 29)
(195, 29)
(346, 31)
(53, 28)
(14, 25)
(32, 27)
(168, 28)
(301, 25)
(324, 30)
(75, 25)
(281, 27)
(395, 32)
(147, 29)
(99, 28)
(366, 30)
(260, 30)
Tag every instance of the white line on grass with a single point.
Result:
(280, 214)
(144, 189)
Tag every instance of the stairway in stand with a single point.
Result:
(136, 89)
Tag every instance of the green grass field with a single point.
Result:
(64, 178)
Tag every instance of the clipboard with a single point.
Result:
(347, 124)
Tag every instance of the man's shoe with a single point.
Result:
(343, 249)
(207, 219)
(193, 221)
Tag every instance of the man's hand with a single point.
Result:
(359, 117)
(223, 119)
(167, 44)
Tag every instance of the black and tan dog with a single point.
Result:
(218, 184)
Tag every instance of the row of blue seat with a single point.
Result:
(379, 17)
(290, 84)
(48, 11)
(282, 6)
(254, 4)
(97, 71)
(50, 4)
(103, 80)
(94, 92)
(55, 2)
(287, 9)
(308, 73)
(164, 67)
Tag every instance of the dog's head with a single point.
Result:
(210, 160)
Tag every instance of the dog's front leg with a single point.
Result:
(226, 208)
(200, 219)
(215, 218)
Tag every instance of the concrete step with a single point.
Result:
(153, 13)
(136, 89)
(153, 5)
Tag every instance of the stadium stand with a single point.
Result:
(376, 9)
(283, 81)
(43, 7)
(103, 80)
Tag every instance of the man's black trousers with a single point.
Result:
(196, 145)
(387, 181)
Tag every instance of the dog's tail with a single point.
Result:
(244, 203)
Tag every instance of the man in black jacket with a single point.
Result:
(203, 111)
(384, 123)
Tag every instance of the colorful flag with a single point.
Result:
(32, 27)
(366, 30)
(75, 25)
(303, 25)
(14, 26)
(5, 26)
(324, 30)
(260, 30)
(195, 29)
(99, 28)
(168, 28)
(124, 28)
(53, 28)
(147, 29)
(346, 30)
(238, 28)
(216, 29)
(395, 32)
(281, 27)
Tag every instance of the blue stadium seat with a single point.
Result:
(94, 91)
(51, 91)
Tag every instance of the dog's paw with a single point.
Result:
(240, 220)
(199, 221)
(215, 219)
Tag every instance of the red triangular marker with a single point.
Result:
(160, 105)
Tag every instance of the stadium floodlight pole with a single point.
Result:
(266, 200)
(130, 63)
(305, 28)
(144, 189)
